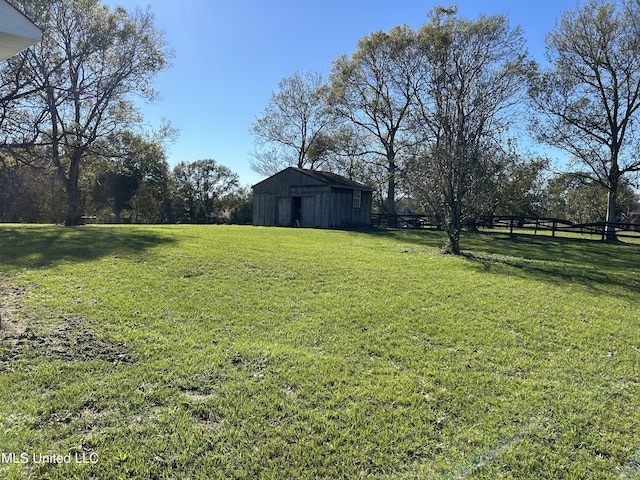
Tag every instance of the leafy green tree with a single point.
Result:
(472, 75)
(115, 184)
(29, 194)
(519, 187)
(147, 206)
(239, 206)
(589, 98)
(84, 77)
(138, 170)
(628, 201)
(578, 198)
(200, 187)
(374, 90)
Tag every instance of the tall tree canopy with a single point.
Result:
(200, 185)
(374, 91)
(83, 79)
(473, 72)
(291, 130)
(589, 97)
(140, 175)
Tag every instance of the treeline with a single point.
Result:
(72, 139)
(434, 117)
(528, 189)
(73, 146)
(138, 188)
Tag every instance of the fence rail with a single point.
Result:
(510, 222)
(387, 220)
(555, 225)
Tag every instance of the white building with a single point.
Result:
(17, 32)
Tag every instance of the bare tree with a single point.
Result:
(16, 84)
(589, 98)
(290, 130)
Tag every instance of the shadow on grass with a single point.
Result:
(35, 246)
(590, 263)
(602, 268)
(423, 238)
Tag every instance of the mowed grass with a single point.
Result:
(244, 352)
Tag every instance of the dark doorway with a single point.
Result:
(296, 214)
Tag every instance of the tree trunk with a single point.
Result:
(391, 194)
(74, 210)
(610, 230)
(452, 228)
(612, 206)
(74, 213)
(453, 242)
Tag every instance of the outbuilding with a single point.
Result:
(297, 197)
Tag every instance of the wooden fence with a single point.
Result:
(387, 220)
(511, 222)
(556, 225)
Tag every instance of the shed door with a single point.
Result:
(283, 212)
(296, 215)
(308, 211)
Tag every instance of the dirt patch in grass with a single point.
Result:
(197, 395)
(10, 306)
(70, 341)
(22, 336)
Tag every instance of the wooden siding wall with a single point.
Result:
(264, 209)
(342, 212)
(315, 204)
(321, 208)
(284, 212)
(364, 216)
(322, 205)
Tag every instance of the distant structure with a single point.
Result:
(296, 197)
(17, 32)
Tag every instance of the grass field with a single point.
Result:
(195, 352)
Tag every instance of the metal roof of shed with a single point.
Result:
(328, 178)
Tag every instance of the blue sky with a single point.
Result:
(231, 54)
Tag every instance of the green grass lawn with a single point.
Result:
(195, 352)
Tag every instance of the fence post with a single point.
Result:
(511, 226)
(553, 227)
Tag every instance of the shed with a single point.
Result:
(311, 198)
